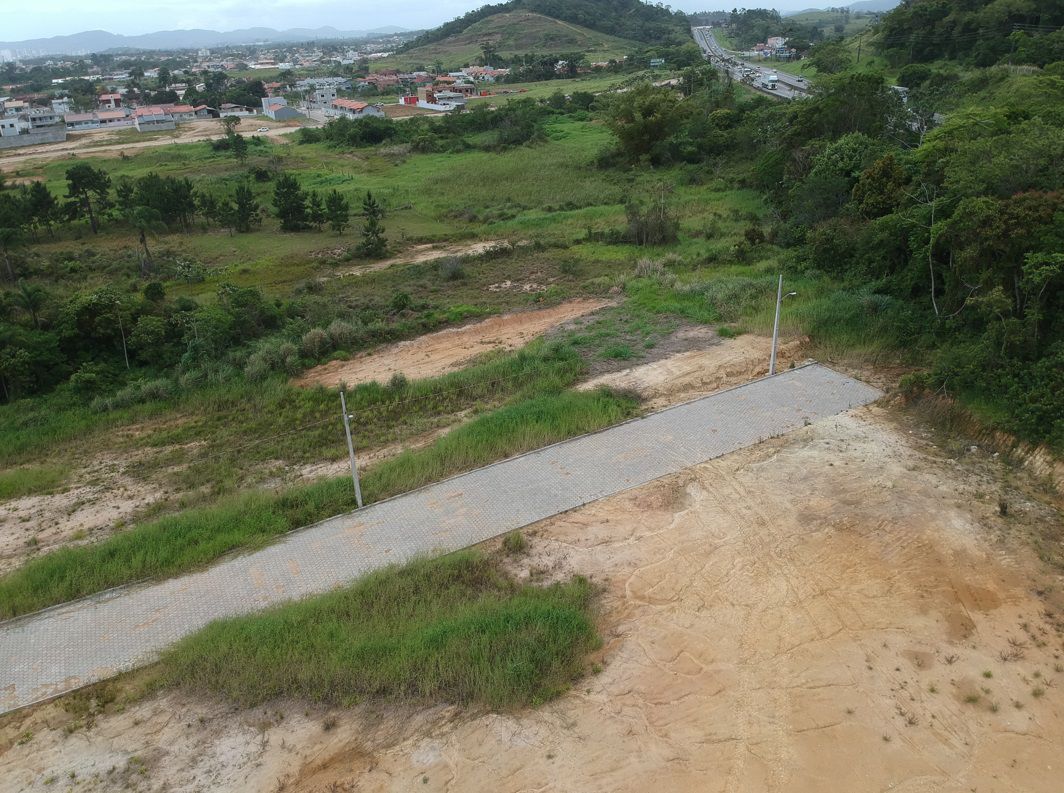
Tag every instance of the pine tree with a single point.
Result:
(245, 209)
(373, 241)
(316, 210)
(337, 211)
(291, 203)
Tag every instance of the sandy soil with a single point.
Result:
(95, 142)
(102, 497)
(840, 609)
(446, 350)
(714, 364)
(426, 252)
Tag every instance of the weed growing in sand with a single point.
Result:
(514, 543)
(453, 629)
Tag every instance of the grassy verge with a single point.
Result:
(186, 540)
(31, 480)
(454, 629)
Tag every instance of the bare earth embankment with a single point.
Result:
(443, 351)
(843, 608)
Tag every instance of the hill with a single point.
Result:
(628, 19)
(515, 33)
(90, 41)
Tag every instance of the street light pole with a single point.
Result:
(776, 324)
(351, 449)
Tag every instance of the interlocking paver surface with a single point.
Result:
(60, 649)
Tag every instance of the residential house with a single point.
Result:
(352, 108)
(431, 99)
(229, 109)
(277, 108)
(110, 101)
(323, 96)
(79, 122)
(151, 122)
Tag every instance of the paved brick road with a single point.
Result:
(60, 649)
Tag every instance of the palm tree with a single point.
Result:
(145, 220)
(10, 238)
(31, 298)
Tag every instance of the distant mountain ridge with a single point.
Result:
(867, 6)
(91, 41)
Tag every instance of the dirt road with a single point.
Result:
(841, 609)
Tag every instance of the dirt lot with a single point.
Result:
(841, 609)
(426, 252)
(713, 363)
(437, 353)
(97, 143)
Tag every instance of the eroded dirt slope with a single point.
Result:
(445, 350)
(840, 609)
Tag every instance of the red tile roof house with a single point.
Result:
(110, 101)
(352, 108)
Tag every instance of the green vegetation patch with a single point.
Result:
(454, 629)
(31, 480)
(194, 537)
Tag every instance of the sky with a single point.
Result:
(43, 18)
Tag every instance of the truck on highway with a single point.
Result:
(769, 81)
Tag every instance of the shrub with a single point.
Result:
(315, 343)
(451, 269)
(135, 393)
(342, 334)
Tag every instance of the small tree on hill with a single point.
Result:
(337, 211)
(245, 209)
(373, 241)
(86, 184)
(316, 210)
(291, 203)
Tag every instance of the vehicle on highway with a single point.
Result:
(769, 81)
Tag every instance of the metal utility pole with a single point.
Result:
(351, 449)
(776, 324)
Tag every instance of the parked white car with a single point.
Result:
(264, 129)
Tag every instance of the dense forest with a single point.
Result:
(975, 32)
(949, 237)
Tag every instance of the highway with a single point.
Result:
(787, 85)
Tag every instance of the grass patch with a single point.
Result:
(514, 543)
(454, 629)
(180, 542)
(31, 480)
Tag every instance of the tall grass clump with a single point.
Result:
(189, 539)
(454, 629)
(31, 480)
